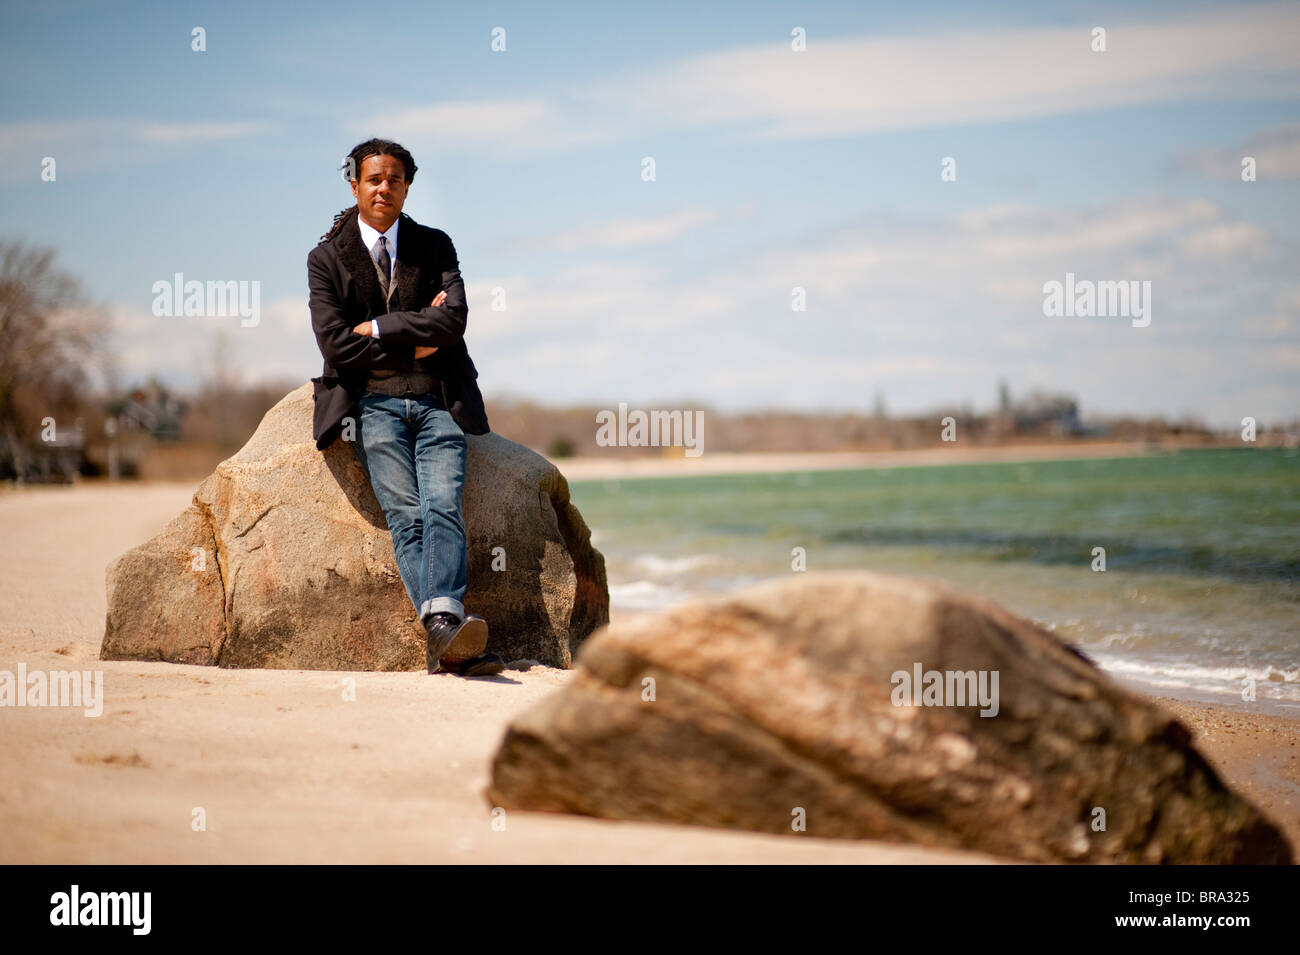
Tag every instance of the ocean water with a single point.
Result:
(1202, 582)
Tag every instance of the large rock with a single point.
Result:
(781, 698)
(284, 560)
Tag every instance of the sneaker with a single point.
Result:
(445, 629)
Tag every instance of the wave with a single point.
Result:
(646, 595)
(1222, 680)
(658, 566)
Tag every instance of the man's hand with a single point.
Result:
(421, 351)
(424, 351)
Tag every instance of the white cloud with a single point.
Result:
(1276, 152)
(928, 312)
(870, 84)
(932, 313)
(88, 143)
(182, 350)
(836, 87)
(627, 232)
(505, 128)
(840, 87)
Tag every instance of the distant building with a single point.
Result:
(1041, 413)
(152, 410)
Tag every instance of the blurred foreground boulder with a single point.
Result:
(284, 560)
(791, 704)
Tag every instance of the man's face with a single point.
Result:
(380, 190)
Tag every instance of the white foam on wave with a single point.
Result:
(665, 566)
(645, 595)
(1270, 682)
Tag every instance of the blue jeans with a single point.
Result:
(414, 454)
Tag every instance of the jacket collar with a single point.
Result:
(356, 259)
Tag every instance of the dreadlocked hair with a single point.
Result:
(340, 221)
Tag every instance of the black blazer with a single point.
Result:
(345, 291)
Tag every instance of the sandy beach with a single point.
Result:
(723, 462)
(285, 769)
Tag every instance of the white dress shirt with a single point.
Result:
(369, 236)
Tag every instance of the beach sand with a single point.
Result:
(677, 464)
(284, 769)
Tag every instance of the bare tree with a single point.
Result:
(49, 336)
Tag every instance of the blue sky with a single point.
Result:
(775, 169)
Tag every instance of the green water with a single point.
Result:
(1202, 550)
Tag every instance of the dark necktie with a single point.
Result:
(385, 263)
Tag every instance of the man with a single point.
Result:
(401, 377)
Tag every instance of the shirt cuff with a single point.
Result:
(374, 328)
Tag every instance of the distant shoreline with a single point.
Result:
(592, 469)
(758, 462)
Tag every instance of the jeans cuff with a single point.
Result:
(441, 605)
